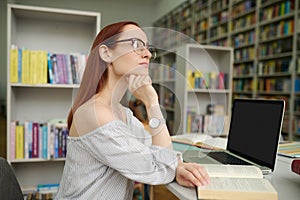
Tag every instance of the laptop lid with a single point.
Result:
(255, 129)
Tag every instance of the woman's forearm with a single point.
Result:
(160, 134)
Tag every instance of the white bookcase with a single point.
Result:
(54, 30)
(163, 74)
(205, 59)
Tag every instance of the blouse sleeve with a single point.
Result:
(115, 146)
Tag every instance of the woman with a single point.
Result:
(108, 148)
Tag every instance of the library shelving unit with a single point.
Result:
(218, 23)
(203, 84)
(163, 74)
(296, 108)
(243, 39)
(275, 69)
(53, 30)
(265, 38)
(201, 16)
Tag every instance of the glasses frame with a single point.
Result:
(145, 46)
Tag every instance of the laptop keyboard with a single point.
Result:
(226, 158)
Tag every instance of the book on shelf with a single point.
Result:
(214, 122)
(48, 188)
(15, 64)
(38, 140)
(236, 182)
(12, 139)
(43, 191)
(42, 67)
(19, 142)
(207, 80)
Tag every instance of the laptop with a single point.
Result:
(253, 137)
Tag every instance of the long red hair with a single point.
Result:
(95, 73)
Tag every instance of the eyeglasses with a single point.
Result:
(139, 46)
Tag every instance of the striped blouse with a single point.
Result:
(104, 163)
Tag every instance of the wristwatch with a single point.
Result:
(154, 122)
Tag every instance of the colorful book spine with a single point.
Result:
(64, 141)
(55, 69)
(35, 140)
(50, 140)
(26, 139)
(25, 66)
(12, 140)
(38, 140)
(47, 187)
(40, 143)
(42, 67)
(50, 69)
(19, 141)
(69, 70)
(56, 142)
(29, 135)
(14, 64)
(73, 69)
(60, 71)
(44, 141)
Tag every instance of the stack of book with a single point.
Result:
(42, 67)
(38, 140)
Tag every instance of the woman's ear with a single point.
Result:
(105, 53)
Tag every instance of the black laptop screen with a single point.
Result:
(255, 129)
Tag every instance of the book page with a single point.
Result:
(218, 170)
(191, 138)
(239, 184)
(237, 188)
(216, 143)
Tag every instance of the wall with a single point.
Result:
(165, 6)
(3, 37)
(144, 12)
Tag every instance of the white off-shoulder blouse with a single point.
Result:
(104, 163)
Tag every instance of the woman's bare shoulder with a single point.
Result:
(89, 117)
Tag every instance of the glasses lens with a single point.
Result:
(137, 44)
(152, 50)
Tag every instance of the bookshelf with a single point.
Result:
(52, 30)
(203, 83)
(265, 38)
(178, 98)
(163, 74)
(218, 23)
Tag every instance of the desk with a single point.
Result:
(285, 182)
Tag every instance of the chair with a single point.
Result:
(9, 185)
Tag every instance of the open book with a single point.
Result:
(236, 182)
(201, 140)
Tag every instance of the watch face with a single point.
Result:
(154, 122)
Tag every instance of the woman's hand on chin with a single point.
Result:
(141, 87)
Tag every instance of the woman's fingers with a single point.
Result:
(191, 174)
(137, 81)
(199, 175)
